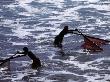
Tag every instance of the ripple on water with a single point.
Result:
(34, 24)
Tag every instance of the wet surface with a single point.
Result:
(35, 23)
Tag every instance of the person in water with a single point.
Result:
(59, 38)
(36, 61)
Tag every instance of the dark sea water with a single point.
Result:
(35, 23)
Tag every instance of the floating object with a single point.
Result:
(92, 43)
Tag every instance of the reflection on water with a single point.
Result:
(35, 23)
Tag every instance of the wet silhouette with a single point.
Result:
(59, 38)
(36, 61)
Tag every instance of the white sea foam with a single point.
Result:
(20, 32)
(19, 43)
(58, 3)
(43, 33)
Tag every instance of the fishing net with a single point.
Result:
(92, 43)
(97, 41)
(5, 66)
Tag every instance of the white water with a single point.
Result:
(35, 23)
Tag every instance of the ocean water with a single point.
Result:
(35, 23)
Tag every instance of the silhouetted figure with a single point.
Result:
(59, 38)
(36, 61)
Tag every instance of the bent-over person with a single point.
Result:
(36, 61)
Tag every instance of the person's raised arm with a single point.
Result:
(72, 31)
